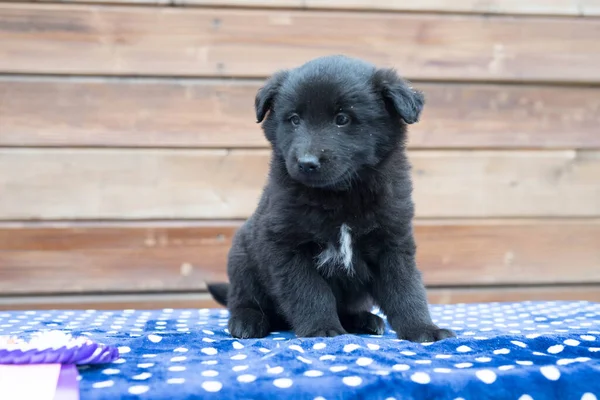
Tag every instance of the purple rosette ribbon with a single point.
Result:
(54, 347)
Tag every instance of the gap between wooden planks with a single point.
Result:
(222, 184)
(204, 300)
(105, 40)
(113, 112)
(156, 256)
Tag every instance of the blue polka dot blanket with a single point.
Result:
(520, 351)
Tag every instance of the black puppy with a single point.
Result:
(332, 235)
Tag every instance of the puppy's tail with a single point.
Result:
(219, 292)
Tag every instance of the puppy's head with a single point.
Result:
(334, 117)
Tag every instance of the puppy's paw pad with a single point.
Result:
(426, 333)
(249, 324)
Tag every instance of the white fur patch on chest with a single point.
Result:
(339, 253)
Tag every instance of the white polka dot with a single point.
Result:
(304, 360)
(210, 373)
(313, 373)
(237, 345)
(588, 338)
(408, 353)
(486, 376)
(319, 346)
(463, 365)
(145, 365)
(420, 377)
(239, 357)
(327, 357)
(142, 376)
(119, 361)
(176, 381)
(443, 356)
(296, 348)
(212, 386)
(550, 372)
(533, 336)
(210, 362)
(124, 350)
(442, 370)
(594, 349)
(207, 332)
(526, 397)
(319, 398)
(338, 368)
(103, 384)
(180, 350)
(463, 349)
(557, 348)
(524, 362)
(589, 396)
(154, 338)
(572, 342)
(210, 351)
(177, 368)
(483, 359)
(283, 383)
(208, 340)
(506, 367)
(401, 367)
(352, 380)
(138, 389)
(148, 355)
(178, 359)
(239, 368)
(373, 346)
(364, 361)
(517, 343)
(351, 347)
(110, 371)
(275, 370)
(247, 378)
(263, 350)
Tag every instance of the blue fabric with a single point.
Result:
(504, 351)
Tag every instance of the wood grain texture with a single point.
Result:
(213, 184)
(203, 300)
(181, 256)
(105, 40)
(207, 113)
(533, 7)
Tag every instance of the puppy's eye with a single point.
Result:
(295, 120)
(342, 119)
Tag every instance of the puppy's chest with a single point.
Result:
(341, 253)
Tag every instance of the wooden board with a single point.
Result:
(533, 7)
(181, 256)
(171, 184)
(104, 40)
(207, 113)
(203, 300)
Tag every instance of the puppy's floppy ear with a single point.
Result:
(263, 101)
(407, 101)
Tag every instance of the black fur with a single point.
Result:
(325, 173)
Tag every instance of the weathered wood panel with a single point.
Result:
(167, 184)
(534, 7)
(223, 42)
(203, 300)
(180, 256)
(206, 113)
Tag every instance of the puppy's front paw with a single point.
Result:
(248, 323)
(363, 323)
(424, 333)
(321, 332)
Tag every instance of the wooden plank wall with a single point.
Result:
(129, 152)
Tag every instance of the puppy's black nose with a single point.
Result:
(308, 163)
